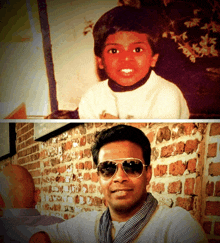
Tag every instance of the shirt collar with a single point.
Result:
(118, 88)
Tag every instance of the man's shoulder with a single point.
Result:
(165, 211)
(88, 214)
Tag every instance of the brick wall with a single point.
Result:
(185, 169)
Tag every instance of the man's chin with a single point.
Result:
(123, 206)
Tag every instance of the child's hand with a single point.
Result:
(107, 116)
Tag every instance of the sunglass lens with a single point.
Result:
(133, 168)
(107, 169)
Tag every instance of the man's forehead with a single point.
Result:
(120, 149)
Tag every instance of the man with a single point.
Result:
(122, 155)
(17, 201)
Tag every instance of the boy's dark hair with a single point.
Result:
(125, 18)
(121, 133)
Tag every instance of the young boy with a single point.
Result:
(126, 49)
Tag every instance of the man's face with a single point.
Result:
(123, 194)
(127, 57)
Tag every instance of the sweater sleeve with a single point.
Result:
(170, 103)
(184, 228)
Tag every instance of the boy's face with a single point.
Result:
(127, 57)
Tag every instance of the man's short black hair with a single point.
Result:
(125, 18)
(121, 133)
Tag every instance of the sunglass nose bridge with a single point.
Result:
(120, 173)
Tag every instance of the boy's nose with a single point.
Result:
(127, 56)
(120, 175)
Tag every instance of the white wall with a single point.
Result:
(23, 74)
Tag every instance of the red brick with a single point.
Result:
(138, 125)
(81, 166)
(85, 188)
(37, 181)
(150, 136)
(177, 130)
(46, 163)
(198, 185)
(83, 141)
(66, 216)
(33, 166)
(212, 208)
(175, 187)
(68, 145)
(189, 186)
(164, 134)
(191, 146)
(94, 177)
(61, 169)
(159, 187)
(167, 151)
(89, 125)
(217, 228)
(60, 179)
(56, 207)
(207, 226)
(47, 171)
(35, 173)
(217, 189)
(188, 128)
(160, 170)
(179, 148)
(212, 150)
(90, 138)
(97, 201)
(46, 206)
(215, 129)
(209, 188)
(177, 168)
(191, 165)
(92, 188)
(214, 169)
(186, 203)
(54, 161)
(79, 154)
(87, 153)
(88, 165)
(202, 128)
(87, 176)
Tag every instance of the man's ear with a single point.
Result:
(154, 60)
(149, 174)
(99, 62)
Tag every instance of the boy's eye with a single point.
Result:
(113, 51)
(138, 49)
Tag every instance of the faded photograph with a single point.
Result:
(57, 62)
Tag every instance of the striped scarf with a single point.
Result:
(130, 230)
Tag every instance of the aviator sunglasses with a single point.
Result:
(132, 167)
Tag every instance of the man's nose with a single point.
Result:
(120, 175)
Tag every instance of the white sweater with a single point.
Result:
(168, 225)
(156, 99)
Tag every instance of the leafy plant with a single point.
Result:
(197, 36)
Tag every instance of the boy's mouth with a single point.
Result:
(127, 70)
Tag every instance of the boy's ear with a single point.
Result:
(99, 62)
(154, 60)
